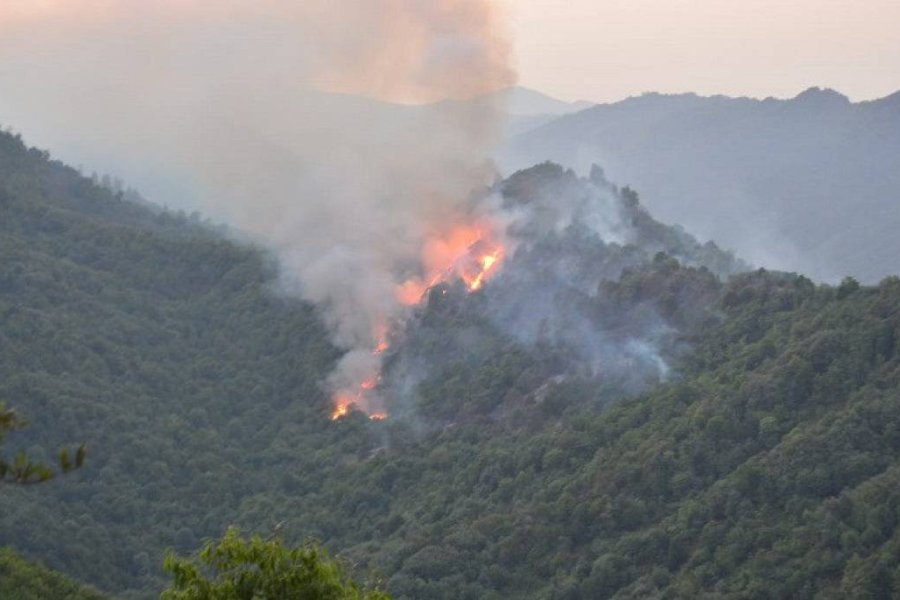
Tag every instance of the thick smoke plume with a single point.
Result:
(275, 114)
(592, 290)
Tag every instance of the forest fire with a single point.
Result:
(359, 398)
(471, 254)
(486, 265)
(345, 401)
(341, 409)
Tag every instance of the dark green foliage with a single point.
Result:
(20, 580)
(169, 350)
(768, 469)
(21, 469)
(764, 466)
(235, 568)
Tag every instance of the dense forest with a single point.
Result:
(758, 459)
(162, 346)
(21, 580)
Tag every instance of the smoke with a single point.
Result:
(275, 114)
(592, 290)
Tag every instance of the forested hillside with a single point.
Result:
(20, 580)
(723, 436)
(167, 350)
(767, 469)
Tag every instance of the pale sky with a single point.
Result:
(606, 50)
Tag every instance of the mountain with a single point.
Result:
(526, 102)
(767, 468)
(526, 109)
(546, 311)
(808, 184)
(665, 426)
(161, 344)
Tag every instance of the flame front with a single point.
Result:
(345, 400)
(470, 253)
(487, 264)
(341, 408)
(361, 396)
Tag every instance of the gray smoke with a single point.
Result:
(272, 114)
(592, 289)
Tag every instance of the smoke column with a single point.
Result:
(277, 114)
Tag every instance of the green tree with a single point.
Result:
(236, 568)
(24, 580)
(21, 469)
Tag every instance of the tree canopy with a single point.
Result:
(21, 469)
(21, 580)
(766, 463)
(236, 568)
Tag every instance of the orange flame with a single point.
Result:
(359, 398)
(471, 253)
(483, 267)
(468, 252)
(346, 400)
(341, 408)
(381, 338)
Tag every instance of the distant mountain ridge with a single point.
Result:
(810, 184)
(527, 109)
(522, 101)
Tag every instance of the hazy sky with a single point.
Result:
(604, 50)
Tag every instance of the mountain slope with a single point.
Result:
(161, 345)
(168, 350)
(760, 462)
(525, 102)
(808, 184)
(768, 468)
(528, 109)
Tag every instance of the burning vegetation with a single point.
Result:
(467, 253)
(305, 96)
(550, 243)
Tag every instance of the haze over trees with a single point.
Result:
(762, 462)
(808, 184)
